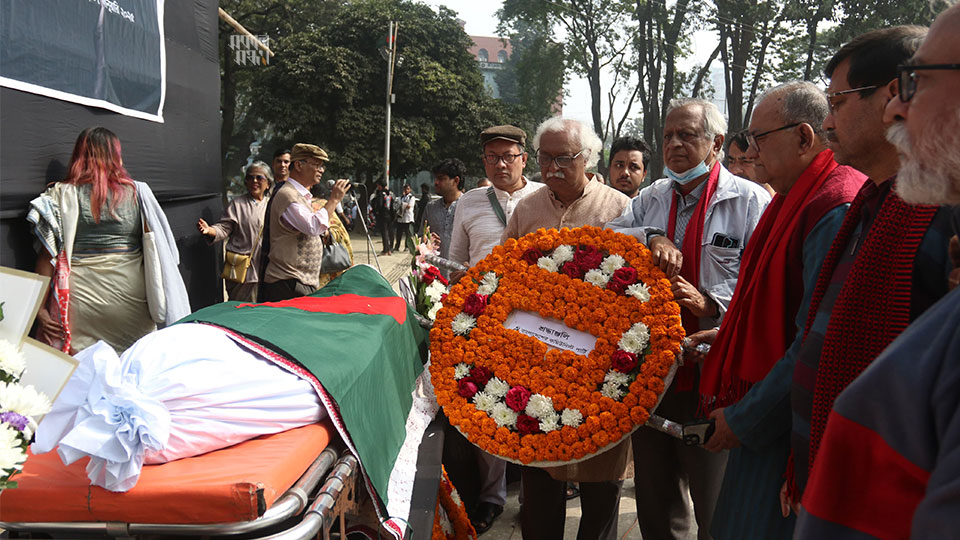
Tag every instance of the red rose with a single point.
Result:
(531, 256)
(616, 286)
(623, 361)
(517, 398)
(480, 375)
(587, 257)
(430, 274)
(527, 424)
(466, 387)
(625, 275)
(573, 270)
(475, 304)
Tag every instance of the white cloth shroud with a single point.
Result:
(177, 392)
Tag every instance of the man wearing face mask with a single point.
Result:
(711, 215)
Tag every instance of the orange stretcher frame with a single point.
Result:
(238, 484)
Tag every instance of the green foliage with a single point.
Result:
(327, 83)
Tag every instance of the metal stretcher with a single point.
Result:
(253, 479)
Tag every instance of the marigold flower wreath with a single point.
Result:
(514, 397)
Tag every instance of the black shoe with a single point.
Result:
(484, 516)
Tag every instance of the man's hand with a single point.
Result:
(339, 189)
(666, 255)
(689, 297)
(205, 229)
(690, 353)
(455, 276)
(786, 504)
(435, 239)
(47, 327)
(723, 438)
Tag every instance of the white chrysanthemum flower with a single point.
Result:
(11, 359)
(435, 290)
(11, 454)
(548, 264)
(611, 390)
(612, 263)
(562, 254)
(24, 400)
(630, 343)
(460, 371)
(462, 324)
(615, 376)
(539, 406)
(550, 423)
(496, 387)
(504, 416)
(446, 525)
(640, 332)
(432, 314)
(484, 401)
(571, 417)
(597, 277)
(488, 285)
(640, 291)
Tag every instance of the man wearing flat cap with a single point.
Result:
(480, 218)
(295, 230)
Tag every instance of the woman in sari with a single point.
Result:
(92, 227)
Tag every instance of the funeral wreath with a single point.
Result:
(534, 393)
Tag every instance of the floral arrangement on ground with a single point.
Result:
(515, 397)
(450, 521)
(19, 405)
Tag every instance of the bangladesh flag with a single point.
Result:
(361, 341)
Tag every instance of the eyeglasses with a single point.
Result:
(833, 106)
(907, 77)
(562, 162)
(259, 177)
(493, 159)
(753, 138)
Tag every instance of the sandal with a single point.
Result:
(486, 514)
(572, 490)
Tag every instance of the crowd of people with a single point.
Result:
(817, 263)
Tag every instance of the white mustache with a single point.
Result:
(898, 136)
(554, 174)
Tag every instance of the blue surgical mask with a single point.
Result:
(687, 176)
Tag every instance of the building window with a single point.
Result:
(502, 56)
(483, 56)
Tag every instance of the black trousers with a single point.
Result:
(403, 234)
(386, 233)
(283, 290)
(544, 508)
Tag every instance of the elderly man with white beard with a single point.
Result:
(565, 149)
(890, 455)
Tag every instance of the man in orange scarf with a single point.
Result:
(749, 402)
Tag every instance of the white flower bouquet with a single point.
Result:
(18, 406)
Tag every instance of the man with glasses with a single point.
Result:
(887, 465)
(737, 161)
(887, 264)
(480, 217)
(565, 149)
(295, 230)
(711, 214)
(746, 381)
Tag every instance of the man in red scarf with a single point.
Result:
(711, 215)
(888, 461)
(746, 380)
(888, 263)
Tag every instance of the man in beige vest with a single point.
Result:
(296, 231)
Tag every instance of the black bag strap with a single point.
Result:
(497, 209)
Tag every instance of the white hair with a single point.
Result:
(930, 167)
(713, 121)
(260, 165)
(589, 142)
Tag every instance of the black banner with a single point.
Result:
(100, 53)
